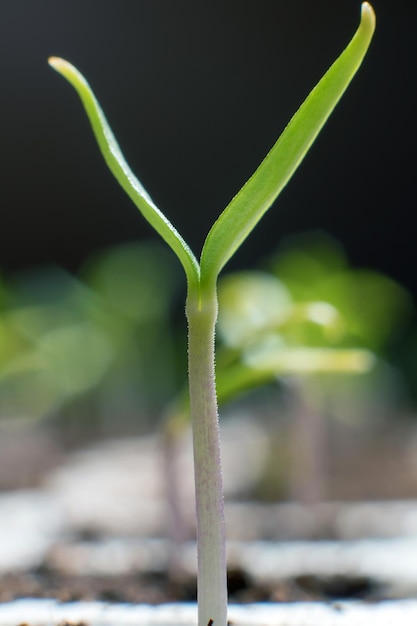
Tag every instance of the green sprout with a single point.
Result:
(225, 236)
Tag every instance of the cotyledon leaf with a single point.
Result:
(259, 192)
(117, 164)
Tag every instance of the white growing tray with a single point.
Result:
(51, 613)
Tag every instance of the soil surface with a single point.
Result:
(72, 519)
(159, 589)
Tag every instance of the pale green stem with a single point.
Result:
(211, 582)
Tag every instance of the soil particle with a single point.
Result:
(340, 587)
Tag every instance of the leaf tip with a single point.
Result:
(62, 66)
(68, 71)
(55, 62)
(368, 14)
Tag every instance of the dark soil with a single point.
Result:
(24, 462)
(158, 588)
(46, 583)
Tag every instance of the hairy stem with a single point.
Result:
(211, 583)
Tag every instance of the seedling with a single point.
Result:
(305, 325)
(224, 238)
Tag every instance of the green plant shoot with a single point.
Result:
(226, 235)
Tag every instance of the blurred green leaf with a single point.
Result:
(251, 303)
(372, 306)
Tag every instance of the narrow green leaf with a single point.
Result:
(294, 360)
(257, 195)
(260, 368)
(120, 169)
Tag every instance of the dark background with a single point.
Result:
(196, 93)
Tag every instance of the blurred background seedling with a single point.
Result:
(82, 352)
(79, 351)
(315, 324)
(91, 345)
